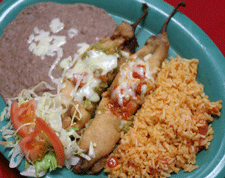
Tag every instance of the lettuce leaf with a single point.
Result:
(49, 162)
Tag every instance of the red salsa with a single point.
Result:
(112, 162)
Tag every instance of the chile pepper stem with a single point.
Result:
(135, 24)
(163, 30)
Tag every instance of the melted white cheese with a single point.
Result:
(82, 48)
(94, 60)
(97, 39)
(43, 44)
(66, 63)
(99, 60)
(125, 54)
(72, 32)
(127, 86)
(56, 25)
(36, 30)
(59, 55)
(88, 91)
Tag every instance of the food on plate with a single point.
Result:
(36, 122)
(172, 126)
(94, 70)
(134, 81)
(166, 134)
(33, 45)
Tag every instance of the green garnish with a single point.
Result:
(74, 128)
(117, 127)
(27, 164)
(17, 137)
(87, 104)
(126, 126)
(99, 47)
(101, 86)
(48, 162)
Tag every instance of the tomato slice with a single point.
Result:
(34, 146)
(41, 125)
(20, 115)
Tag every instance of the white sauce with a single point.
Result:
(88, 91)
(143, 90)
(99, 60)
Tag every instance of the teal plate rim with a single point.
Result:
(186, 39)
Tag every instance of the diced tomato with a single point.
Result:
(103, 78)
(139, 71)
(203, 129)
(153, 172)
(200, 147)
(124, 111)
(138, 88)
(82, 78)
(20, 115)
(36, 143)
(129, 105)
(112, 162)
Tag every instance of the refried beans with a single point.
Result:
(24, 62)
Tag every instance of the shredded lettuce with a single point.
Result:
(16, 156)
(50, 108)
(77, 114)
(49, 162)
(30, 172)
(3, 114)
(8, 131)
(91, 152)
